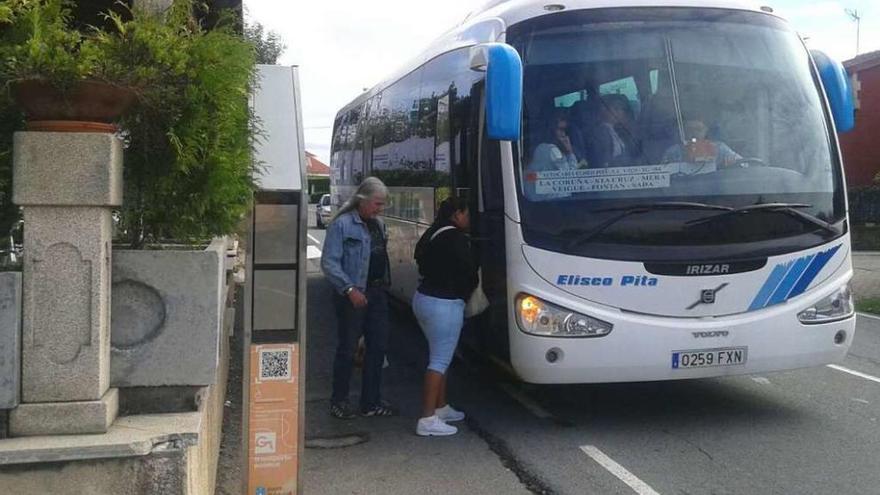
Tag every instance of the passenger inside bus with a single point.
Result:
(658, 124)
(555, 151)
(582, 116)
(612, 142)
(706, 154)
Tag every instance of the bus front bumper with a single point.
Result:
(642, 348)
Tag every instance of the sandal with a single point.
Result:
(341, 410)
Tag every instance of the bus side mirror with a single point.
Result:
(504, 76)
(838, 89)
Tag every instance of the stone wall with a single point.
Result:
(10, 340)
(167, 309)
(180, 458)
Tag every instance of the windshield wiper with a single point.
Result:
(626, 211)
(790, 209)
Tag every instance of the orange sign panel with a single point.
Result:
(273, 421)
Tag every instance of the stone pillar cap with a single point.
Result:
(67, 169)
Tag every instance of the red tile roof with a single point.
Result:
(315, 166)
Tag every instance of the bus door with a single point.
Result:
(488, 234)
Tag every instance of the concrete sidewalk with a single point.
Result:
(393, 459)
(866, 277)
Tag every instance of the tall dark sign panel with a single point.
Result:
(275, 292)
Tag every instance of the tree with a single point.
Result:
(269, 44)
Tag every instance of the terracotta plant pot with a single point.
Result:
(89, 106)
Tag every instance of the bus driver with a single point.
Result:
(707, 155)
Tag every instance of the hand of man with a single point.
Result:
(357, 298)
(566, 145)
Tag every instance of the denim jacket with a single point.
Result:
(345, 259)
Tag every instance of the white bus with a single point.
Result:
(656, 188)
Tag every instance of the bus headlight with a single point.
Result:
(539, 317)
(837, 306)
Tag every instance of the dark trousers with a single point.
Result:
(373, 323)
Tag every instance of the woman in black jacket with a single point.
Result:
(449, 276)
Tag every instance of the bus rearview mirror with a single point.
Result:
(504, 75)
(838, 89)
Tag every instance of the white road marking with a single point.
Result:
(526, 401)
(860, 401)
(312, 253)
(761, 380)
(854, 373)
(869, 316)
(313, 239)
(616, 469)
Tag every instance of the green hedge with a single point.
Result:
(864, 205)
(189, 168)
(10, 121)
(864, 214)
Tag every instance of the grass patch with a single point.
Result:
(868, 305)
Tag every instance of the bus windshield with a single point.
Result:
(650, 130)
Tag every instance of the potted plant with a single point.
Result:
(57, 74)
(189, 174)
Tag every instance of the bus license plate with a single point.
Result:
(705, 358)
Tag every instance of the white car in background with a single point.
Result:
(323, 212)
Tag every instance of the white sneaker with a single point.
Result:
(434, 426)
(449, 414)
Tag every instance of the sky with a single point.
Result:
(345, 46)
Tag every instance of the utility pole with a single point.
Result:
(855, 17)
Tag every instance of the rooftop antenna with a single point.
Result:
(855, 17)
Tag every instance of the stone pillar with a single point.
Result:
(67, 184)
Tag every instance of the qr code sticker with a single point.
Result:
(275, 364)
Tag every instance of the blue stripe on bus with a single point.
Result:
(812, 271)
(770, 285)
(791, 278)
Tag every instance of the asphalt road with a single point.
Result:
(811, 431)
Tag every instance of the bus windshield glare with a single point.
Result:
(646, 128)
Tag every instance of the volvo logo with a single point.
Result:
(707, 296)
(707, 335)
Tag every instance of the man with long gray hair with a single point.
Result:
(355, 261)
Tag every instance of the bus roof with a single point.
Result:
(489, 22)
(513, 11)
